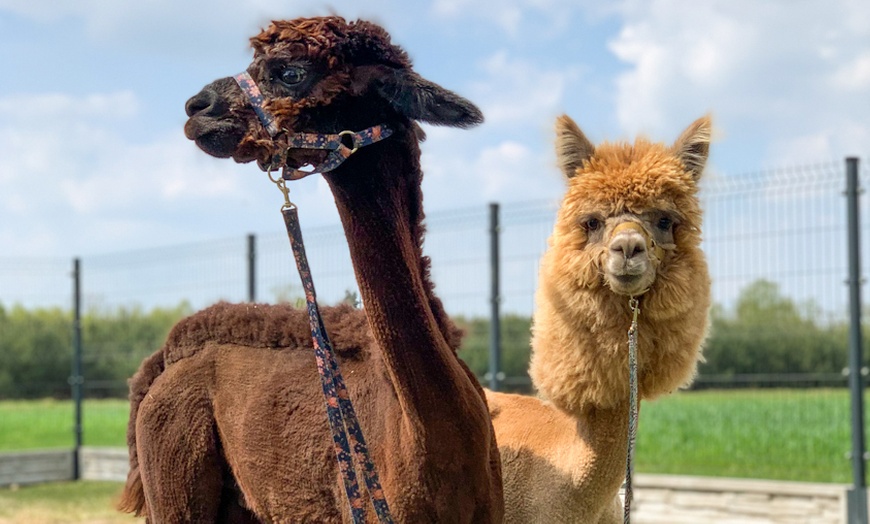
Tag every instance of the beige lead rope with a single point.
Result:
(634, 304)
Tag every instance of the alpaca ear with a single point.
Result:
(419, 99)
(693, 146)
(572, 146)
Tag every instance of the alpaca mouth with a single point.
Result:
(629, 283)
(217, 138)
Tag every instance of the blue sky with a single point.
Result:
(93, 158)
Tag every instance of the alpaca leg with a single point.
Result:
(178, 452)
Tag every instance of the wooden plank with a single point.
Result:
(104, 463)
(32, 467)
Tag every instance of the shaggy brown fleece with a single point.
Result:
(227, 421)
(267, 326)
(268, 335)
(563, 458)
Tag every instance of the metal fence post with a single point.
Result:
(857, 496)
(495, 373)
(76, 380)
(252, 267)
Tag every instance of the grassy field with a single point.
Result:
(798, 435)
(63, 503)
(39, 424)
(775, 434)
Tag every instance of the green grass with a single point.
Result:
(41, 424)
(774, 434)
(63, 502)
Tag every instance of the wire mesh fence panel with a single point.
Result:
(776, 244)
(328, 256)
(525, 230)
(458, 244)
(35, 356)
(770, 400)
(131, 300)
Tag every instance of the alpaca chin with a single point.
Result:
(630, 285)
(218, 139)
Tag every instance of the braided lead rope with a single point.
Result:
(339, 410)
(346, 431)
(634, 305)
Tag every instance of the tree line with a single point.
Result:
(764, 332)
(36, 348)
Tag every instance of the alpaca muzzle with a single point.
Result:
(632, 259)
(633, 239)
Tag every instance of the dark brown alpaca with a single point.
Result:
(227, 420)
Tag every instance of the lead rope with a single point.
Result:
(634, 305)
(346, 432)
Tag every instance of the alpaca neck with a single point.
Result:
(592, 388)
(580, 347)
(378, 196)
(600, 457)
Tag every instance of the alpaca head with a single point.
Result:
(319, 75)
(630, 209)
(629, 225)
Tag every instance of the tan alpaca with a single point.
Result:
(629, 225)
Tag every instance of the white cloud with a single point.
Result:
(49, 105)
(509, 157)
(843, 138)
(515, 91)
(465, 168)
(194, 29)
(854, 75)
(792, 71)
(511, 16)
(80, 186)
(507, 15)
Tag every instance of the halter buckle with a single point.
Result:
(353, 142)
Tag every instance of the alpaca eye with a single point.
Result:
(665, 223)
(292, 75)
(592, 224)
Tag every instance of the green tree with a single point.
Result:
(515, 335)
(116, 341)
(34, 352)
(36, 348)
(768, 332)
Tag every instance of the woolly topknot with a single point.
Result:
(333, 38)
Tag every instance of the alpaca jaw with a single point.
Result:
(210, 124)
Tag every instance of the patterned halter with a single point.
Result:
(340, 145)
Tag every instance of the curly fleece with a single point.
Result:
(579, 336)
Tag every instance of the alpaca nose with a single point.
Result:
(206, 103)
(629, 243)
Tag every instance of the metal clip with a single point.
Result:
(282, 186)
(634, 305)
